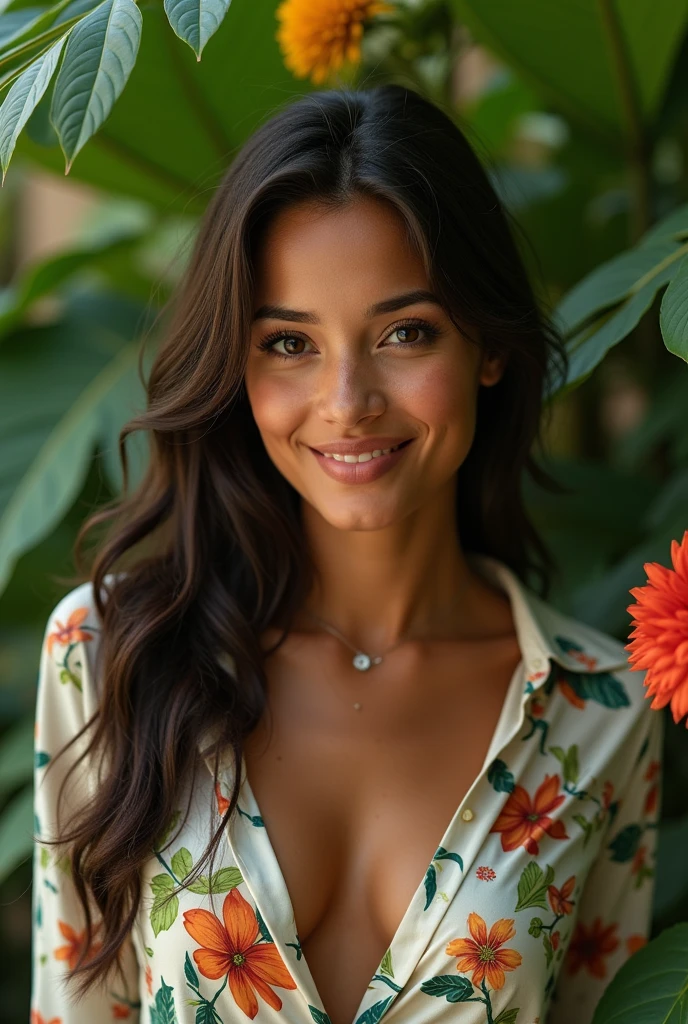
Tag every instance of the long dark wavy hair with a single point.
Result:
(210, 542)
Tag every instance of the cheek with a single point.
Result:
(278, 404)
(443, 396)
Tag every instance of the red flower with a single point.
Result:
(149, 980)
(555, 941)
(607, 794)
(660, 634)
(652, 771)
(559, 898)
(639, 860)
(651, 800)
(486, 874)
(37, 1018)
(590, 946)
(120, 1011)
(482, 953)
(523, 821)
(69, 633)
(537, 709)
(230, 947)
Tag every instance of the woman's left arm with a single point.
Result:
(615, 906)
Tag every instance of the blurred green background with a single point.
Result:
(579, 111)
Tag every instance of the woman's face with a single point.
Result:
(361, 356)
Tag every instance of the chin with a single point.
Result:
(342, 518)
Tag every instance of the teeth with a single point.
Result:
(363, 457)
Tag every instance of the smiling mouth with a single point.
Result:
(364, 456)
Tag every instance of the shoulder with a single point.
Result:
(70, 646)
(603, 697)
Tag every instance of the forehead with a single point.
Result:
(354, 254)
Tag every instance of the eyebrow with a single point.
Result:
(391, 305)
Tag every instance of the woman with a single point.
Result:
(444, 783)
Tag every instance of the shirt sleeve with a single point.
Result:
(65, 700)
(615, 906)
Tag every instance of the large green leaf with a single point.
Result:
(605, 307)
(213, 106)
(63, 390)
(195, 21)
(572, 52)
(23, 98)
(613, 281)
(673, 313)
(98, 60)
(652, 985)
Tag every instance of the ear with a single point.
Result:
(492, 367)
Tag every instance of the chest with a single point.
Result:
(357, 800)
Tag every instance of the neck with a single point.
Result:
(410, 580)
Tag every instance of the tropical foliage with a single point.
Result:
(577, 109)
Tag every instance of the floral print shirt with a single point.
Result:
(540, 887)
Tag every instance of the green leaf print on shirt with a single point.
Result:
(165, 906)
(255, 819)
(163, 1012)
(625, 843)
(507, 1017)
(561, 905)
(374, 1013)
(455, 989)
(500, 778)
(533, 885)
(430, 880)
(318, 1015)
(386, 964)
(568, 759)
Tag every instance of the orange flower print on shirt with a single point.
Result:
(559, 898)
(590, 946)
(635, 942)
(222, 801)
(483, 954)
(149, 980)
(572, 697)
(523, 822)
(75, 943)
(231, 949)
(70, 633)
(38, 1018)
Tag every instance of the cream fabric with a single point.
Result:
(539, 890)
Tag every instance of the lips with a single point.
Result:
(359, 446)
(361, 472)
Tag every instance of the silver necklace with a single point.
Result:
(361, 660)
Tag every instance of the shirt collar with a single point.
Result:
(546, 634)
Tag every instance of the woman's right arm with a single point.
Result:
(66, 698)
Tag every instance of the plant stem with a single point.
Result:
(637, 144)
(488, 1002)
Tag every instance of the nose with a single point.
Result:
(349, 390)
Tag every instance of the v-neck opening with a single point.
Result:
(269, 888)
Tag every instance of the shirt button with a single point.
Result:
(467, 814)
(538, 662)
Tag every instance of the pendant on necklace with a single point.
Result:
(363, 662)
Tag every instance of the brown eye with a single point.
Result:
(290, 345)
(407, 333)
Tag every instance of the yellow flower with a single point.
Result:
(317, 36)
